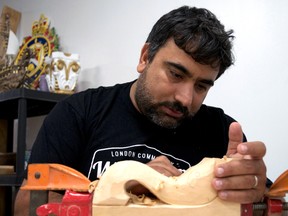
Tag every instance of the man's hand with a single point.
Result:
(241, 180)
(162, 165)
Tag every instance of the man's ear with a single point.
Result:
(143, 61)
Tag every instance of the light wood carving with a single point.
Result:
(215, 208)
(187, 195)
(191, 188)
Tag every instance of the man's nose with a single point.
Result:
(184, 95)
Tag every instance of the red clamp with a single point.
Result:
(273, 206)
(269, 207)
(73, 204)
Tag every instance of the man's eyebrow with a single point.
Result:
(178, 67)
(186, 71)
(208, 82)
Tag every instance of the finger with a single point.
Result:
(238, 167)
(235, 138)
(163, 165)
(241, 189)
(256, 150)
(240, 196)
(245, 182)
(163, 159)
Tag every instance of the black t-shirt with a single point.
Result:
(91, 130)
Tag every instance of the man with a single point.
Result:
(159, 119)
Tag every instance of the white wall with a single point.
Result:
(108, 35)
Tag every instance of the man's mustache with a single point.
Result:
(177, 106)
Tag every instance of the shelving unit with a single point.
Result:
(21, 104)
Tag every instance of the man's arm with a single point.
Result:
(22, 201)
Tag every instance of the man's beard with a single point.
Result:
(153, 111)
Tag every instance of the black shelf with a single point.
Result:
(10, 180)
(21, 104)
(38, 102)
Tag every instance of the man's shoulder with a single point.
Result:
(210, 109)
(101, 92)
(105, 89)
(212, 112)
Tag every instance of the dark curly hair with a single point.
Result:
(198, 32)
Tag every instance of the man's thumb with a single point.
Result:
(235, 138)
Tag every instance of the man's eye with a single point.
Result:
(201, 87)
(176, 75)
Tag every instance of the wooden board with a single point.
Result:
(215, 208)
(3, 135)
(14, 15)
(6, 169)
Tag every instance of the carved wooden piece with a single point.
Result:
(189, 194)
(191, 188)
(14, 17)
(215, 208)
(9, 20)
(13, 76)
